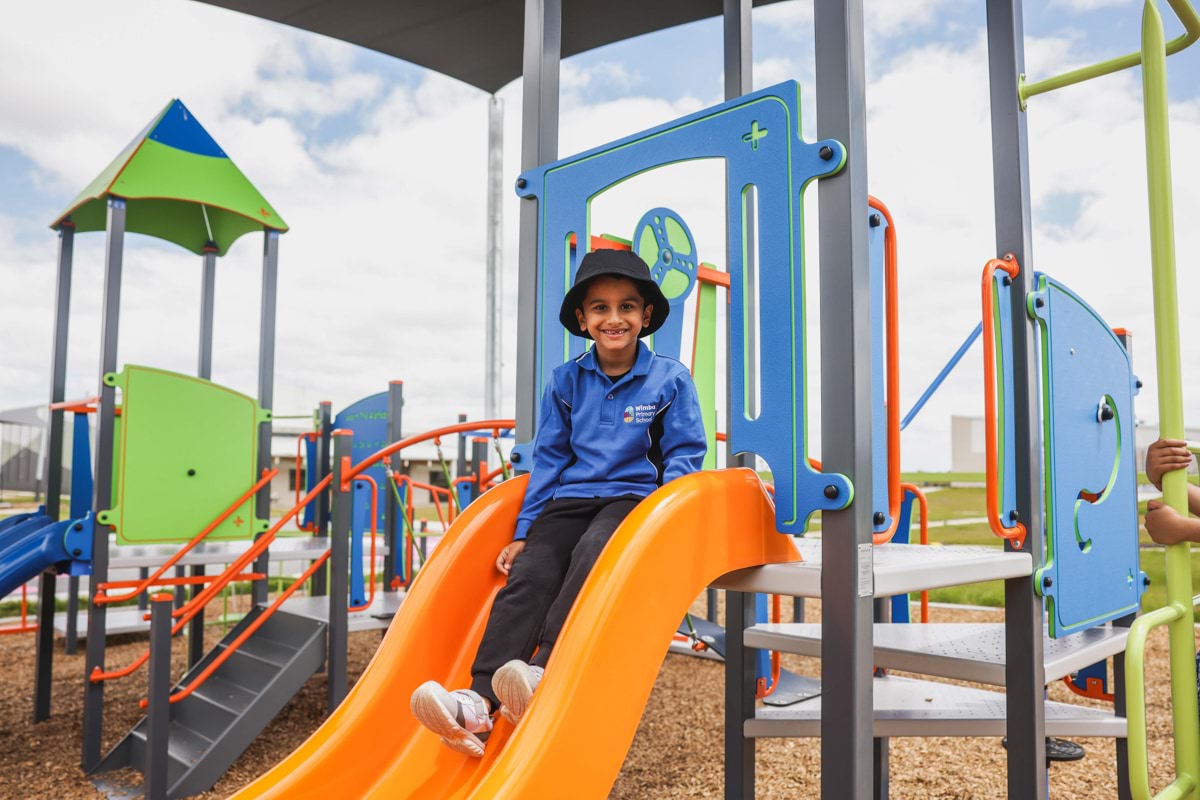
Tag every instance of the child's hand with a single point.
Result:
(508, 555)
(1163, 456)
(1164, 524)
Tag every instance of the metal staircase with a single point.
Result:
(214, 725)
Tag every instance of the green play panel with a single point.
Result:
(186, 449)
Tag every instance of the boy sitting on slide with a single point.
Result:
(615, 424)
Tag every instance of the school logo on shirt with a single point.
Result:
(642, 412)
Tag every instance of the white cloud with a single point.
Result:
(382, 274)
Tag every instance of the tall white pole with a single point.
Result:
(495, 257)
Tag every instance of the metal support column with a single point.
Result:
(43, 673)
(339, 558)
(158, 712)
(71, 640)
(393, 525)
(325, 427)
(93, 693)
(266, 390)
(741, 678)
(846, 649)
(460, 464)
(208, 287)
(1124, 792)
(495, 258)
(196, 627)
(539, 145)
(1025, 670)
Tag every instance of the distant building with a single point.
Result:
(22, 443)
(968, 451)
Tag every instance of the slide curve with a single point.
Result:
(575, 734)
(28, 548)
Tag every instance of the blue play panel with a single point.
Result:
(1092, 572)
(758, 138)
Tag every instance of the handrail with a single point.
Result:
(1016, 533)
(923, 502)
(257, 623)
(102, 598)
(85, 406)
(1135, 698)
(379, 455)
(373, 531)
(191, 608)
(891, 283)
(23, 626)
(1191, 24)
(941, 376)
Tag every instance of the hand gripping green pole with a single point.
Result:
(1177, 612)
(1191, 32)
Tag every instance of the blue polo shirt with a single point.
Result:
(597, 438)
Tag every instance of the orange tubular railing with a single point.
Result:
(374, 527)
(891, 282)
(496, 425)
(191, 608)
(24, 625)
(1016, 533)
(103, 598)
(764, 689)
(232, 647)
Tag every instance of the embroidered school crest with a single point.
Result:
(629, 413)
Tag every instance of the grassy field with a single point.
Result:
(957, 503)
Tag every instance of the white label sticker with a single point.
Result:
(866, 571)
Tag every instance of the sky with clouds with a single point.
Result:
(379, 167)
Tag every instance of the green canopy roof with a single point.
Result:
(179, 186)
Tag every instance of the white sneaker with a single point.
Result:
(458, 716)
(514, 685)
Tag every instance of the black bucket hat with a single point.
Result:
(621, 264)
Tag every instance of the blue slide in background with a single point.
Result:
(29, 546)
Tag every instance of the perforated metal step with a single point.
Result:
(964, 651)
(213, 726)
(897, 569)
(907, 707)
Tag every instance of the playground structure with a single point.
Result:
(1086, 564)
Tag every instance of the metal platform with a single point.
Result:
(898, 569)
(963, 651)
(907, 707)
(376, 617)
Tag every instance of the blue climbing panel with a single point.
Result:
(758, 137)
(1092, 573)
(367, 421)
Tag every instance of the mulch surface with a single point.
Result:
(677, 752)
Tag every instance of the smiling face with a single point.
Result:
(613, 314)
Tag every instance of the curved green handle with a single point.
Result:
(1191, 24)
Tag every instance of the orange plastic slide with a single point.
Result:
(575, 734)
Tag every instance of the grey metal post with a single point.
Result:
(266, 391)
(325, 423)
(495, 258)
(460, 464)
(158, 712)
(44, 671)
(539, 145)
(71, 641)
(339, 558)
(391, 509)
(196, 626)
(208, 287)
(93, 693)
(740, 683)
(1124, 792)
(846, 648)
(1025, 670)
(739, 80)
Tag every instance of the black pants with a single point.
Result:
(563, 544)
